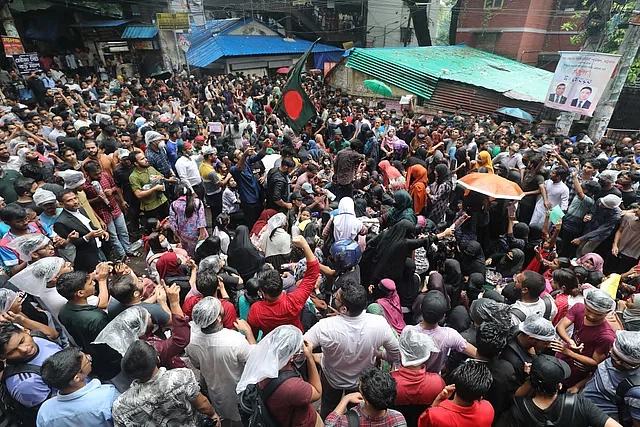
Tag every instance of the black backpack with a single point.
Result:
(252, 406)
(16, 411)
(567, 412)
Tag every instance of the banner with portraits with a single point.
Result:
(579, 81)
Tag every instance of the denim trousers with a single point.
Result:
(118, 235)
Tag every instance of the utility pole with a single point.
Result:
(628, 50)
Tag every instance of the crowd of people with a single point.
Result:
(174, 254)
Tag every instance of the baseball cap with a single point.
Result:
(550, 369)
(307, 187)
(207, 149)
(434, 306)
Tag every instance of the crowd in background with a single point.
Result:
(174, 254)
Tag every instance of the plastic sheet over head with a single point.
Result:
(599, 300)
(206, 311)
(270, 355)
(276, 221)
(126, 328)
(416, 347)
(28, 244)
(538, 327)
(212, 262)
(35, 277)
(627, 346)
(488, 310)
(7, 298)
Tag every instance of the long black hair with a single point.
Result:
(183, 190)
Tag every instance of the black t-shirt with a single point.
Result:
(628, 197)
(531, 183)
(586, 414)
(613, 190)
(516, 356)
(504, 385)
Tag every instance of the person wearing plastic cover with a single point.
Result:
(622, 364)
(415, 387)
(278, 352)
(591, 340)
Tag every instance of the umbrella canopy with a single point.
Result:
(492, 185)
(376, 86)
(283, 70)
(516, 112)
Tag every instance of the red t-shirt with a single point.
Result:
(416, 387)
(596, 339)
(266, 316)
(448, 414)
(291, 400)
(230, 315)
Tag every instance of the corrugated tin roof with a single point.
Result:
(140, 32)
(418, 69)
(205, 50)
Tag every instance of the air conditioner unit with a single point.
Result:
(406, 34)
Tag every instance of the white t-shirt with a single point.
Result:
(558, 195)
(529, 308)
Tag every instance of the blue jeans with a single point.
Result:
(118, 235)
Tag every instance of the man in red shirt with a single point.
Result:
(416, 388)
(471, 381)
(279, 308)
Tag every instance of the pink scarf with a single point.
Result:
(391, 306)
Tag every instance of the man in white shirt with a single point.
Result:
(57, 130)
(219, 353)
(531, 286)
(83, 119)
(557, 195)
(350, 342)
(187, 169)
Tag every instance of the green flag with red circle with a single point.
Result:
(294, 103)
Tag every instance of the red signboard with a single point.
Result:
(12, 45)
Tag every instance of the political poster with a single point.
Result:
(12, 45)
(579, 81)
(27, 63)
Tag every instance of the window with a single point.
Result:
(493, 4)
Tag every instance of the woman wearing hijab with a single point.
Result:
(243, 255)
(436, 283)
(631, 313)
(591, 262)
(388, 143)
(389, 173)
(187, 218)
(417, 185)
(346, 225)
(475, 285)
(385, 254)
(512, 263)
(401, 210)
(453, 280)
(473, 260)
(276, 242)
(408, 286)
(484, 161)
(390, 303)
(439, 193)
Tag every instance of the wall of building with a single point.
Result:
(384, 20)
(521, 29)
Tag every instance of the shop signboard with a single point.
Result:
(173, 21)
(12, 45)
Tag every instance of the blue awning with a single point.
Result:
(140, 32)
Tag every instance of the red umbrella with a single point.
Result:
(283, 70)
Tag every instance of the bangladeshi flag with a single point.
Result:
(295, 103)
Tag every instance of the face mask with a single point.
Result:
(164, 243)
(421, 135)
(162, 145)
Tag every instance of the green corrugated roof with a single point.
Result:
(418, 69)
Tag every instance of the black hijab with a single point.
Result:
(473, 259)
(409, 286)
(509, 267)
(243, 255)
(436, 283)
(385, 254)
(453, 280)
(475, 286)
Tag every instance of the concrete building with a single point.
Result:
(528, 31)
(388, 23)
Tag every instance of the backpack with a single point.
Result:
(252, 405)
(621, 391)
(16, 411)
(523, 405)
(547, 310)
(353, 418)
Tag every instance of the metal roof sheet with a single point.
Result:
(140, 32)
(418, 69)
(205, 50)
